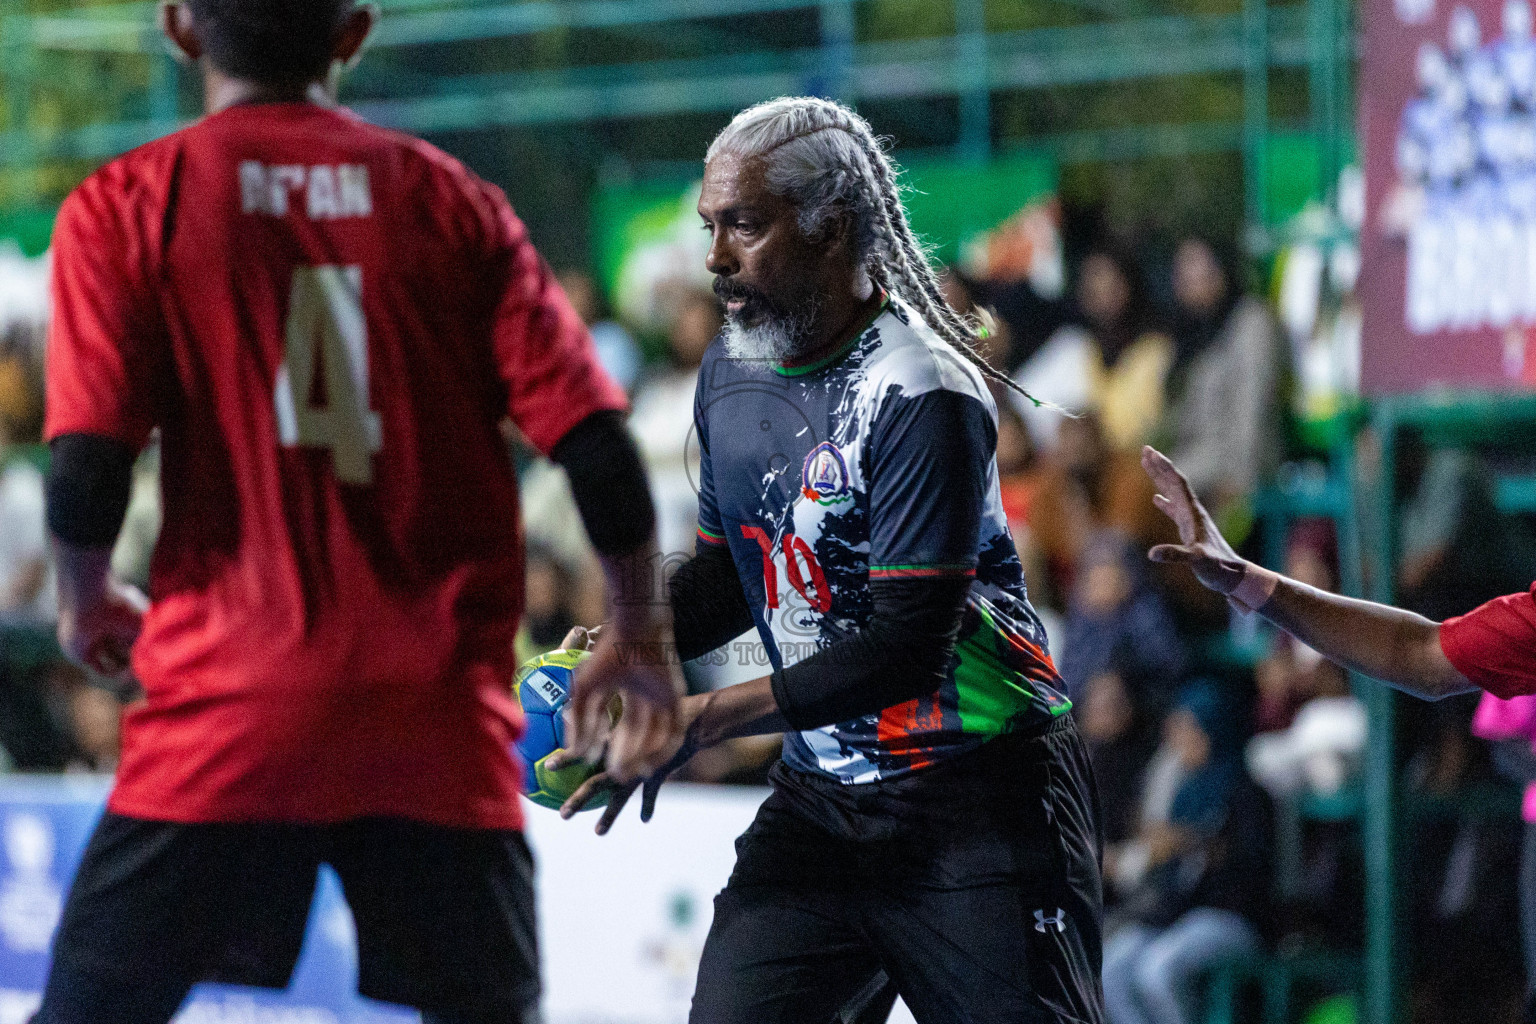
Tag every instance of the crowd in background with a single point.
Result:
(1206, 730)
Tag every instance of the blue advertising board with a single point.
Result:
(44, 825)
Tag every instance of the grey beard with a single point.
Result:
(776, 339)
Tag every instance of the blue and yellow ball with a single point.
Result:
(543, 687)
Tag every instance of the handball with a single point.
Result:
(543, 686)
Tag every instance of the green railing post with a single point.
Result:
(1323, 89)
(1255, 109)
(1347, 518)
(972, 79)
(837, 32)
(20, 63)
(163, 85)
(1343, 60)
(1379, 813)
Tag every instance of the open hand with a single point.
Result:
(620, 792)
(637, 664)
(1201, 545)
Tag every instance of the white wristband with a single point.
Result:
(1256, 587)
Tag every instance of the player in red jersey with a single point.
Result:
(327, 323)
(1492, 647)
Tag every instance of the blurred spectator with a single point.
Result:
(21, 379)
(1224, 392)
(1087, 486)
(961, 296)
(1017, 270)
(36, 720)
(1457, 549)
(1117, 623)
(550, 520)
(1018, 468)
(1030, 319)
(1459, 883)
(26, 584)
(570, 582)
(1320, 751)
(1312, 728)
(1121, 740)
(24, 572)
(547, 612)
(1511, 724)
(662, 420)
(1293, 673)
(94, 714)
(23, 301)
(1112, 360)
(1020, 476)
(141, 524)
(1194, 880)
(34, 715)
(616, 347)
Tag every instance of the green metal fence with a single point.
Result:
(1098, 41)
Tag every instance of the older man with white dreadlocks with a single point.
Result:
(932, 817)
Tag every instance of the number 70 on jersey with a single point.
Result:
(321, 393)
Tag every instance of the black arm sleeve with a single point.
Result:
(708, 605)
(903, 653)
(89, 479)
(608, 482)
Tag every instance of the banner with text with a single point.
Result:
(1448, 112)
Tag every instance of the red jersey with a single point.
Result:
(1494, 645)
(327, 322)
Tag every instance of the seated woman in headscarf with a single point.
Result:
(1117, 622)
(1224, 414)
(1110, 359)
(1195, 880)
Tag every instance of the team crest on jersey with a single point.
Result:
(825, 478)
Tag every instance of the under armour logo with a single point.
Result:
(1042, 922)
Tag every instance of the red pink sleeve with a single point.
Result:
(105, 342)
(1494, 645)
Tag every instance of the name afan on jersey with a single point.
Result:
(323, 191)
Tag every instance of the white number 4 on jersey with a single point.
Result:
(326, 326)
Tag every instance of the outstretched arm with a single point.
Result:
(1390, 644)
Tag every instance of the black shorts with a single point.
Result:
(974, 885)
(445, 917)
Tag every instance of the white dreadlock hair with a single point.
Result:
(826, 160)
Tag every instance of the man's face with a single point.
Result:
(767, 273)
